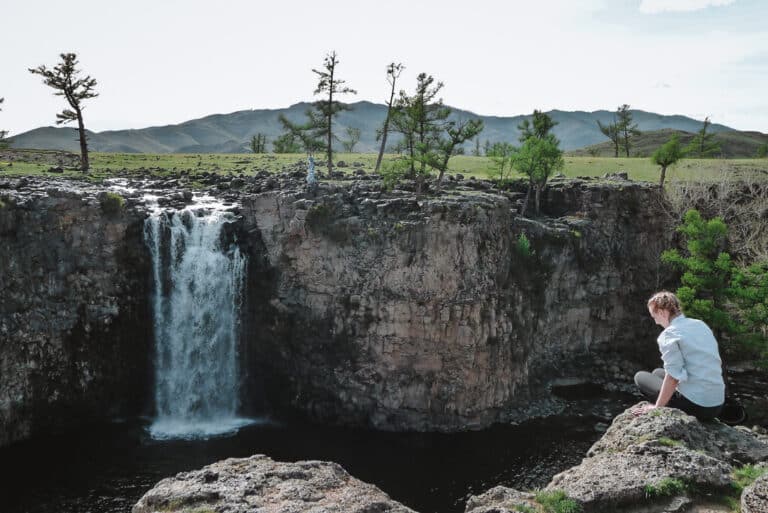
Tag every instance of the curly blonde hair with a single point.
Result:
(666, 301)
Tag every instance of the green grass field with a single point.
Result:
(104, 165)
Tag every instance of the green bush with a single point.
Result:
(556, 501)
(523, 246)
(665, 488)
(745, 476)
(111, 203)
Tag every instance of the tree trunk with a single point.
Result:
(84, 164)
(330, 121)
(616, 149)
(538, 199)
(385, 129)
(527, 197)
(663, 174)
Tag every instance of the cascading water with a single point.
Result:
(198, 285)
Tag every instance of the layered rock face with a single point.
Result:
(74, 328)
(451, 312)
(241, 485)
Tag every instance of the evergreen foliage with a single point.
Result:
(626, 129)
(429, 138)
(667, 155)
(259, 143)
(287, 143)
(328, 108)
(732, 299)
(316, 133)
(65, 79)
(539, 156)
(611, 131)
(703, 144)
(501, 154)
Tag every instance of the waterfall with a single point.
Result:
(198, 287)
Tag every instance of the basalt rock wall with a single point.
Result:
(450, 312)
(75, 331)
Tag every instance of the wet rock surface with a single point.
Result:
(661, 461)
(260, 484)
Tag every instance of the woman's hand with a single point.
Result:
(643, 409)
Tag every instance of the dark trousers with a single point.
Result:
(649, 384)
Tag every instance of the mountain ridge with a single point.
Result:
(231, 132)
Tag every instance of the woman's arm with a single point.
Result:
(668, 387)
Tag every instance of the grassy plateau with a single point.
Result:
(105, 165)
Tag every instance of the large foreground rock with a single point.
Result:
(755, 497)
(658, 462)
(240, 485)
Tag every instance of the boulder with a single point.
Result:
(662, 461)
(258, 483)
(755, 497)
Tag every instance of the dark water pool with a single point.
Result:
(107, 469)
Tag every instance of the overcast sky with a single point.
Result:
(162, 62)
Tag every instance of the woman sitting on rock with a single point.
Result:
(692, 377)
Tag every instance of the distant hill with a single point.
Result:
(733, 144)
(230, 133)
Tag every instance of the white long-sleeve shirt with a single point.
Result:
(690, 355)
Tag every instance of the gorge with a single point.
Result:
(359, 306)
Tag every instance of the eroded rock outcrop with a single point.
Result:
(658, 462)
(242, 485)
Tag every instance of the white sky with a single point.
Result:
(162, 62)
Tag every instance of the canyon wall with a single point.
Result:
(75, 331)
(388, 310)
(368, 307)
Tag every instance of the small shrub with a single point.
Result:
(523, 508)
(745, 476)
(111, 203)
(665, 488)
(556, 501)
(523, 246)
(394, 171)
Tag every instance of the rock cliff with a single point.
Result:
(447, 312)
(75, 334)
(364, 306)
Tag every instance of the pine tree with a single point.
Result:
(539, 156)
(64, 78)
(703, 144)
(259, 143)
(327, 109)
(421, 119)
(611, 131)
(626, 129)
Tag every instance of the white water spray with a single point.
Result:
(198, 287)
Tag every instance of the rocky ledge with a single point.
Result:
(661, 462)
(240, 485)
